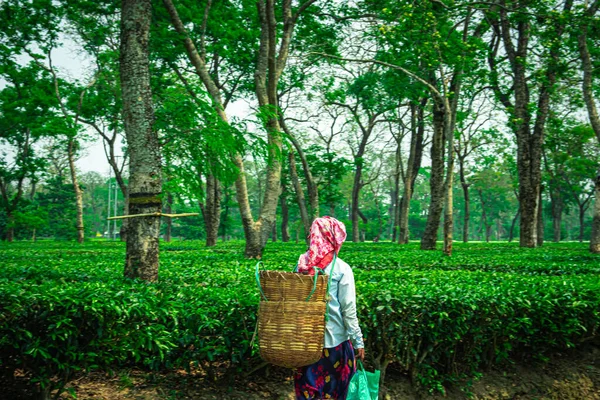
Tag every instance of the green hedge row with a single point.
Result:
(57, 328)
(66, 309)
(441, 326)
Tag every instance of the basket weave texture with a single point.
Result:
(292, 286)
(291, 329)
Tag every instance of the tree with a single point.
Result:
(472, 138)
(145, 176)
(268, 69)
(26, 117)
(587, 88)
(362, 97)
(521, 27)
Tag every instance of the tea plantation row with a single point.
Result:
(65, 308)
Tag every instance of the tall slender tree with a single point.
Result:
(517, 27)
(145, 175)
(587, 89)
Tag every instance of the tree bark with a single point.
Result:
(306, 220)
(77, 190)
(512, 227)
(590, 103)
(223, 226)
(212, 213)
(484, 219)
(355, 199)
(582, 209)
(595, 239)
(467, 210)
(413, 165)
(311, 185)
(145, 184)
(285, 218)
(436, 182)
(557, 210)
(529, 141)
(540, 220)
(395, 193)
(358, 184)
(10, 230)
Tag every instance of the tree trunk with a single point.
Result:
(285, 217)
(306, 220)
(395, 194)
(365, 221)
(595, 239)
(436, 205)
(582, 209)
(449, 209)
(529, 142)
(10, 230)
(590, 103)
(395, 200)
(540, 220)
(33, 235)
(269, 67)
(145, 185)
(467, 210)
(223, 226)
(467, 216)
(212, 213)
(311, 185)
(76, 189)
(498, 226)
(512, 227)
(355, 199)
(484, 217)
(413, 166)
(169, 221)
(358, 184)
(557, 209)
(274, 233)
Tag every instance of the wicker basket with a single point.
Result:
(291, 317)
(291, 286)
(290, 333)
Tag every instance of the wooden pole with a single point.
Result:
(157, 214)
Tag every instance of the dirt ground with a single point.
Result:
(569, 376)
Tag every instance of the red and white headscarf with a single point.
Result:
(326, 237)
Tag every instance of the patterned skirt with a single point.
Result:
(329, 377)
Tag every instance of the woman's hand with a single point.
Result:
(360, 354)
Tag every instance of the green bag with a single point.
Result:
(364, 385)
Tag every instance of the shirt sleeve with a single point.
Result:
(347, 299)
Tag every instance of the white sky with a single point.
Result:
(71, 63)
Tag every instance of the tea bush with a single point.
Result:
(66, 308)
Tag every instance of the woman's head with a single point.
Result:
(326, 237)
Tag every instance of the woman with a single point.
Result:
(330, 376)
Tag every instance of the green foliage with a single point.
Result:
(328, 169)
(58, 202)
(66, 308)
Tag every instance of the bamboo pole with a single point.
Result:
(155, 215)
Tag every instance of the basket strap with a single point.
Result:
(316, 278)
(329, 284)
(258, 281)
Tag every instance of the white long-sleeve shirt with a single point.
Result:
(343, 323)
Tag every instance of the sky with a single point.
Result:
(71, 63)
